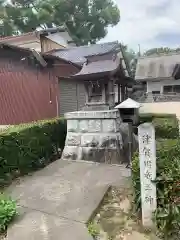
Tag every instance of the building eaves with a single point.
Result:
(35, 33)
(16, 37)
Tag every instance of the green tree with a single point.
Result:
(131, 57)
(6, 25)
(86, 20)
(161, 50)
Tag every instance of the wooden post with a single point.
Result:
(147, 158)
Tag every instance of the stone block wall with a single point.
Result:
(94, 136)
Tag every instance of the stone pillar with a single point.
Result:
(93, 136)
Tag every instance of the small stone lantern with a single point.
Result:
(129, 113)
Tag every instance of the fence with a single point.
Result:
(150, 98)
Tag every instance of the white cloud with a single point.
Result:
(143, 21)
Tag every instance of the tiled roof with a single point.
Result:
(128, 103)
(79, 54)
(99, 67)
(60, 38)
(154, 67)
(96, 69)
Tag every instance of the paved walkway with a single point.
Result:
(56, 202)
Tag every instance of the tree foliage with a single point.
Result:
(131, 57)
(6, 26)
(86, 20)
(161, 50)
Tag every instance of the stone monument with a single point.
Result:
(147, 158)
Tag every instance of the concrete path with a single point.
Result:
(56, 202)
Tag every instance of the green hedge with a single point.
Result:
(148, 117)
(167, 216)
(27, 147)
(166, 126)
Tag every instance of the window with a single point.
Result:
(177, 88)
(95, 89)
(172, 89)
(155, 92)
(168, 89)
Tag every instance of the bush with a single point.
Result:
(7, 211)
(166, 126)
(148, 117)
(28, 147)
(145, 118)
(167, 216)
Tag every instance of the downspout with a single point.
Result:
(57, 97)
(57, 106)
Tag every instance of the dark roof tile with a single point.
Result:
(99, 67)
(78, 54)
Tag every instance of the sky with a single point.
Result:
(152, 23)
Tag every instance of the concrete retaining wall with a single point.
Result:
(161, 108)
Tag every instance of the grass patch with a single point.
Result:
(93, 229)
(115, 218)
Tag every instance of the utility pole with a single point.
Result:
(139, 50)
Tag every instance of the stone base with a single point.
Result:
(111, 156)
(94, 136)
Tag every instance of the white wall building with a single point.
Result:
(158, 73)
